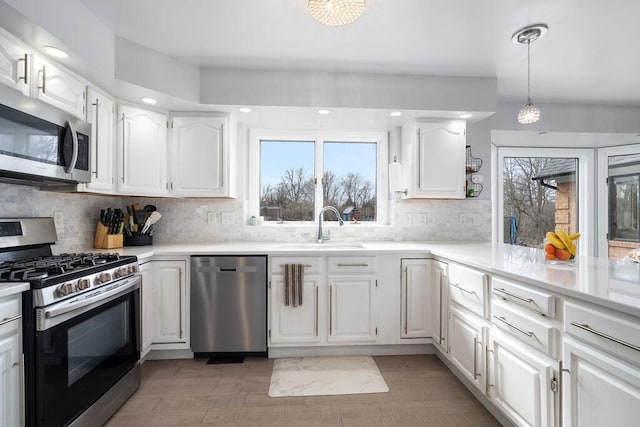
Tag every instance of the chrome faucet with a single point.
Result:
(322, 237)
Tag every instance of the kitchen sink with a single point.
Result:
(325, 245)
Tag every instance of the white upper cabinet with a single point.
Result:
(142, 148)
(101, 114)
(435, 159)
(200, 157)
(58, 87)
(14, 64)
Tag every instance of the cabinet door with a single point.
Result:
(598, 389)
(10, 372)
(169, 294)
(58, 87)
(466, 349)
(439, 166)
(293, 325)
(520, 382)
(199, 156)
(440, 303)
(101, 114)
(142, 147)
(148, 309)
(351, 313)
(415, 299)
(14, 64)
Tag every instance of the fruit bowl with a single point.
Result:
(560, 247)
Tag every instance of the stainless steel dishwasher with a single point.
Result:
(229, 304)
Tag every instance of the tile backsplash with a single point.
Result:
(220, 220)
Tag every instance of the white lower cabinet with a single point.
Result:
(169, 299)
(299, 324)
(415, 297)
(11, 372)
(351, 309)
(440, 298)
(520, 382)
(146, 302)
(598, 389)
(466, 346)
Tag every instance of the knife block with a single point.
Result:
(102, 240)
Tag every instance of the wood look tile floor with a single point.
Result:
(422, 392)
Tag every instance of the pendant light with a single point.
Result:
(336, 12)
(527, 35)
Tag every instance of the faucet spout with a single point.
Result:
(322, 237)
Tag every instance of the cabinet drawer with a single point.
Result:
(615, 333)
(10, 307)
(535, 300)
(467, 288)
(312, 265)
(536, 332)
(359, 264)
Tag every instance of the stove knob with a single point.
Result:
(65, 289)
(133, 268)
(83, 284)
(120, 272)
(103, 278)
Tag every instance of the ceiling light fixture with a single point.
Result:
(55, 51)
(245, 109)
(336, 12)
(323, 112)
(148, 100)
(527, 35)
(395, 113)
(465, 115)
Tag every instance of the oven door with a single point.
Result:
(85, 348)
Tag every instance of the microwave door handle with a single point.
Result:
(74, 155)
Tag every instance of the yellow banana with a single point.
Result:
(555, 240)
(574, 236)
(567, 241)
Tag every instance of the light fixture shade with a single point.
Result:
(529, 113)
(336, 12)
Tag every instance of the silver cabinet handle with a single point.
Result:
(503, 291)
(180, 298)
(316, 325)
(44, 79)
(522, 331)
(330, 310)
(9, 319)
(475, 358)
(353, 265)
(462, 289)
(124, 123)
(588, 328)
(406, 299)
(97, 126)
(26, 68)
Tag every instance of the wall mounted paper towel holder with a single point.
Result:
(395, 177)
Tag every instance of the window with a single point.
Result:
(539, 194)
(624, 207)
(294, 174)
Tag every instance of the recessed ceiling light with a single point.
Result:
(245, 110)
(323, 112)
(395, 113)
(54, 51)
(148, 100)
(465, 115)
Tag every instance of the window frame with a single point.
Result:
(381, 140)
(586, 188)
(612, 185)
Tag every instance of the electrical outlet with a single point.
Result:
(212, 217)
(420, 219)
(228, 218)
(58, 219)
(462, 218)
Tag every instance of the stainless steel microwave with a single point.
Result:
(41, 145)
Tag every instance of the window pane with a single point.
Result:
(286, 180)
(540, 195)
(349, 180)
(624, 204)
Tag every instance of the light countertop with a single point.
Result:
(614, 284)
(8, 289)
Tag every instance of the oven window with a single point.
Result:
(93, 341)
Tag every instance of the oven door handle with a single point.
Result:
(93, 298)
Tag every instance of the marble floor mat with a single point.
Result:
(319, 376)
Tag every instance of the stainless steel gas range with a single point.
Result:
(81, 334)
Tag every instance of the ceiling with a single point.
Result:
(589, 55)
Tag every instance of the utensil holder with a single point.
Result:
(138, 240)
(103, 240)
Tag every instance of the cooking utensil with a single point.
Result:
(149, 208)
(153, 218)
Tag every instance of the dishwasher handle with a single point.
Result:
(238, 269)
